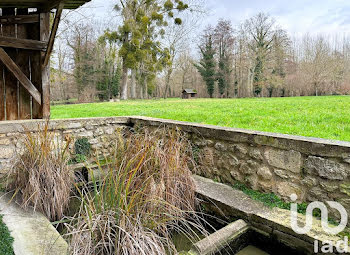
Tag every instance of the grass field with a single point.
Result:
(324, 117)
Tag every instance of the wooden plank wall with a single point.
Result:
(15, 100)
(22, 61)
(2, 86)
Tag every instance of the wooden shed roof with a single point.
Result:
(45, 4)
(189, 91)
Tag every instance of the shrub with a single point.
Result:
(146, 193)
(40, 174)
(82, 151)
(82, 147)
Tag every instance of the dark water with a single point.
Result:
(183, 243)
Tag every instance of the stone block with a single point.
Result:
(265, 173)
(288, 160)
(286, 189)
(5, 141)
(86, 134)
(284, 174)
(220, 146)
(255, 153)
(237, 176)
(329, 186)
(6, 152)
(249, 167)
(233, 161)
(73, 125)
(265, 186)
(309, 182)
(326, 168)
(109, 130)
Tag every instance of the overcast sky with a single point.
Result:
(296, 16)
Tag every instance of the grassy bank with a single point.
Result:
(6, 240)
(324, 117)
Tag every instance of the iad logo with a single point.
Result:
(328, 246)
(324, 217)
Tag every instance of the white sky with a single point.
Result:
(296, 16)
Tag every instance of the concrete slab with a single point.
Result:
(271, 221)
(220, 239)
(32, 232)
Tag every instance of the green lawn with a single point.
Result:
(325, 117)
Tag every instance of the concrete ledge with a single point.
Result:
(271, 222)
(33, 234)
(215, 242)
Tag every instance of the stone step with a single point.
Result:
(32, 232)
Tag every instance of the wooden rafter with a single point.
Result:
(43, 5)
(21, 77)
(19, 19)
(53, 33)
(12, 42)
(51, 5)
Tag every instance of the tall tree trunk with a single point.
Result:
(133, 84)
(124, 85)
(167, 83)
(141, 91)
(145, 91)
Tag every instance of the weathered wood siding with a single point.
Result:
(15, 101)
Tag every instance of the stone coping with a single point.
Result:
(57, 124)
(188, 125)
(32, 232)
(31, 125)
(307, 145)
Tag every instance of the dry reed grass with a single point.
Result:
(147, 192)
(40, 174)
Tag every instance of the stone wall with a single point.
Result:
(314, 169)
(101, 133)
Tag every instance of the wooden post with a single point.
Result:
(2, 93)
(51, 42)
(11, 88)
(2, 90)
(35, 64)
(44, 36)
(23, 62)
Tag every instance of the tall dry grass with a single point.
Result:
(145, 194)
(40, 174)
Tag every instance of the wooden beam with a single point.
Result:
(21, 77)
(45, 71)
(53, 33)
(22, 60)
(12, 42)
(51, 5)
(19, 19)
(36, 60)
(11, 83)
(43, 5)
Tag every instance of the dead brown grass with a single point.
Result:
(147, 192)
(40, 174)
